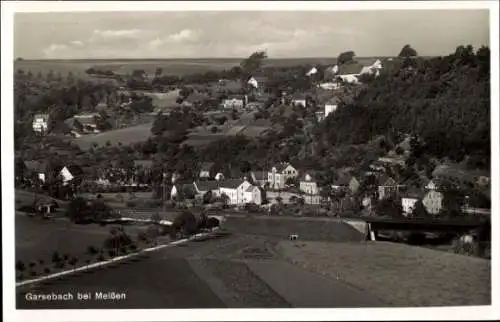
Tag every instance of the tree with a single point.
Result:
(56, 258)
(158, 72)
(389, 207)
(346, 57)
(185, 223)
(73, 261)
(21, 267)
(213, 129)
(407, 51)
(419, 210)
(253, 63)
(156, 217)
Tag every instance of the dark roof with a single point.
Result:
(143, 163)
(74, 169)
(260, 175)
(281, 166)
(251, 188)
(343, 180)
(36, 166)
(348, 69)
(413, 192)
(231, 183)
(207, 185)
(298, 96)
(383, 179)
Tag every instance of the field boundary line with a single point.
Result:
(113, 260)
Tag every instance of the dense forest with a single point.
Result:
(444, 100)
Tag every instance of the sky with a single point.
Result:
(226, 34)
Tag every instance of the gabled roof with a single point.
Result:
(43, 116)
(231, 183)
(343, 180)
(413, 192)
(251, 188)
(298, 96)
(260, 175)
(36, 166)
(385, 180)
(281, 166)
(350, 69)
(207, 185)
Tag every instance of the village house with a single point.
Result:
(308, 183)
(41, 123)
(349, 73)
(204, 187)
(330, 106)
(432, 185)
(279, 174)
(181, 190)
(373, 69)
(433, 202)
(254, 106)
(329, 86)
(259, 178)
(254, 194)
(87, 123)
(346, 182)
(408, 200)
(39, 169)
(235, 102)
(258, 83)
(70, 172)
(387, 187)
(299, 99)
(206, 170)
(234, 189)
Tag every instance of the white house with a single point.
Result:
(299, 99)
(235, 190)
(41, 123)
(308, 183)
(312, 71)
(330, 106)
(431, 185)
(373, 69)
(409, 199)
(433, 202)
(329, 86)
(254, 194)
(66, 175)
(235, 102)
(279, 174)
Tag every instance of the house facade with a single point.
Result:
(308, 184)
(41, 123)
(279, 174)
(433, 202)
(330, 107)
(235, 190)
(254, 194)
(234, 103)
(409, 199)
(387, 187)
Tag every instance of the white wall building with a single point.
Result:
(41, 123)
(309, 185)
(279, 174)
(235, 190)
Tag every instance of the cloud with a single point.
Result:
(76, 43)
(185, 36)
(117, 33)
(54, 50)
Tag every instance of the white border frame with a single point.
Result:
(448, 313)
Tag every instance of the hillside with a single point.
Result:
(443, 100)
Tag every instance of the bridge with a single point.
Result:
(371, 225)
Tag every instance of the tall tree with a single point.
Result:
(407, 51)
(346, 57)
(253, 63)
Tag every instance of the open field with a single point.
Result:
(38, 239)
(126, 136)
(27, 198)
(169, 66)
(401, 274)
(275, 227)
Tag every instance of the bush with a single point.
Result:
(131, 204)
